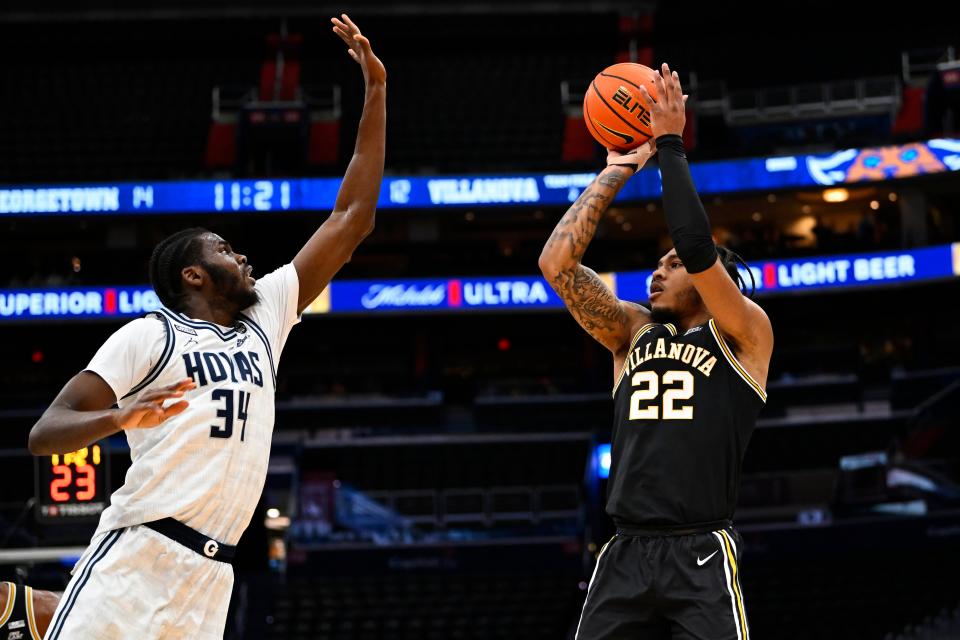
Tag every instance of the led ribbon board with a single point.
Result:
(318, 194)
(507, 293)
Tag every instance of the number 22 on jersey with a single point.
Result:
(676, 386)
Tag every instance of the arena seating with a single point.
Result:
(154, 113)
(427, 606)
(126, 107)
(944, 625)
(477, 432)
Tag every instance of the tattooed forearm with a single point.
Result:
(577, 227)
(614, 180)
(575, 230)
(590, 301)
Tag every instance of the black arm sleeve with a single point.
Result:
(686, 218)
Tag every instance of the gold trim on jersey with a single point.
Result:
(732, 359)
(31, 615)
(11, 598)
(642, 330)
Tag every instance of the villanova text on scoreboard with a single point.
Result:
(849, 166)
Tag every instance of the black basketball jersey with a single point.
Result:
(684, 411)
(17, 621)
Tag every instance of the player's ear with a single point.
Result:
(193, 276)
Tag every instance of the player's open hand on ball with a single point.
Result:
(149, 411)
(633, 160)
(359, 49)
(668, 114)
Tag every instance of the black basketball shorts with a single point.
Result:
(680, 587)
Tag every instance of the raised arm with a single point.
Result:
(737, 317)
(608, 319)
(332, 245)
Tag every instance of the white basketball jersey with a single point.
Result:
(206, 466)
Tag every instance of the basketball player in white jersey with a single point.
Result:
(194, 384)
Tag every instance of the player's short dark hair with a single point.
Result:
(170, 257)
(731, 262)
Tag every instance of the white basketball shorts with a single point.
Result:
(137, 583)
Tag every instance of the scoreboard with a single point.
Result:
(73, 487)
(846, 167)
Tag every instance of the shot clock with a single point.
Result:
(73, 487)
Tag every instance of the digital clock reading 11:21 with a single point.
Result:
(259, 195)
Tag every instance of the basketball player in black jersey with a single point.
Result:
(25, 613)
(689, 379)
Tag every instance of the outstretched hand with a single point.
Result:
(354, 210)
(668, 114)
(359, 49)
(149, 411)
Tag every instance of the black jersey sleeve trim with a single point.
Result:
(161, 363)
(266, 343)
(732, 359)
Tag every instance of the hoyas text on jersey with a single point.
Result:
(216, 366)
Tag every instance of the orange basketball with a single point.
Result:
(616, 116)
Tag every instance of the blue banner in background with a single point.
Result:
(452, 294)
(319, 194)
(353, 296)
(508, 293)
(827, 272)
(92, 302)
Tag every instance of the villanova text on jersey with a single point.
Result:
(697, 357)
(684, 411)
